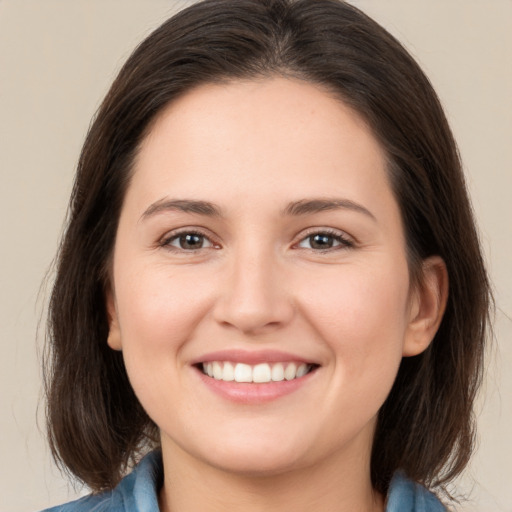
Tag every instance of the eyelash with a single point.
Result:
(344, 242)
(338, 236)
(166, 241)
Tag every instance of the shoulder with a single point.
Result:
(137, 491)
(94, 503)
(408, 496)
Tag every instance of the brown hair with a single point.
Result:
(96, 425)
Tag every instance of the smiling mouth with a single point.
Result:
(259, 373)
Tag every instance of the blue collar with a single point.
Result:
(407, 496)
(138, 492)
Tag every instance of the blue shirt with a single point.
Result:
(138, 492)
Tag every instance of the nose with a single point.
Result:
(254, 298)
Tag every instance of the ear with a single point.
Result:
(428, 302)
(114, 333)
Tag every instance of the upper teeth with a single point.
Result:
(263, 372)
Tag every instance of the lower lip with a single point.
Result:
(254, 393)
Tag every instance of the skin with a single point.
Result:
(256, 282)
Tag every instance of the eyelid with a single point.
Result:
(345, 241)
(165, 240)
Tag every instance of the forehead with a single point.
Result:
(247, 138)
(263, 105)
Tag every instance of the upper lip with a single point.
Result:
(252, 357)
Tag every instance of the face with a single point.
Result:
(260, 242)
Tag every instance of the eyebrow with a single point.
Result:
(295, 208)
(309, 206)
(183, 205)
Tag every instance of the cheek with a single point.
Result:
(159, 307)
(361, 314)
(359, 300)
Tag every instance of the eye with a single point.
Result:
(325, 240)
(187, 241)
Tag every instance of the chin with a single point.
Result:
(257, 453)
(255, 462)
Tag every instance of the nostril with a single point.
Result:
(253, 303)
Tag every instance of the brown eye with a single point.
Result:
(324, 241)
(189, 241)
(321, 241)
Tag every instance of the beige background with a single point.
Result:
(57, 58)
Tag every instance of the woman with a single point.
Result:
(271, 277)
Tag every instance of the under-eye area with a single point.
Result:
(259, 373)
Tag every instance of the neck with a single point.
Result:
(191, 485)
